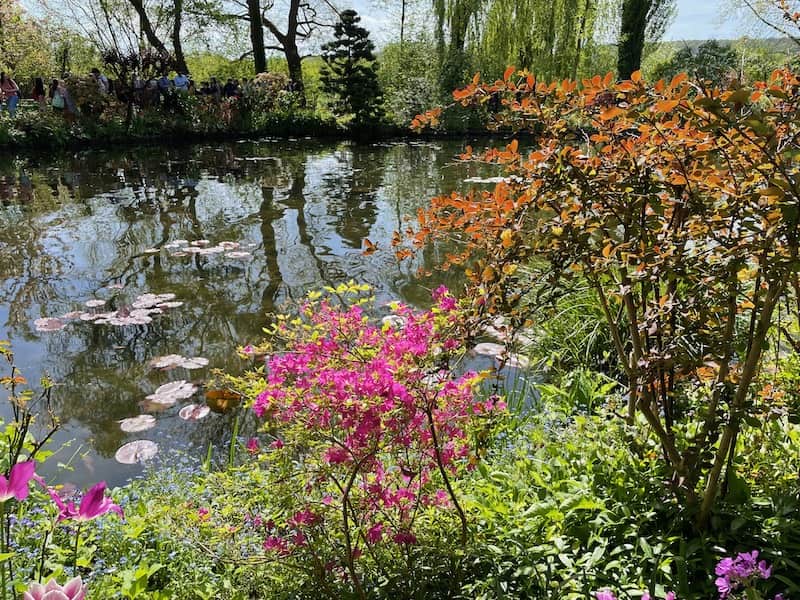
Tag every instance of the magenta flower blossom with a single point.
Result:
(605, 595)
(375, 533)
(16, 486)
(740, 572)
(93, 505)
(252, 445)
(72, 590)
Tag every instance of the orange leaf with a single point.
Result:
(611, 113)
(369, 247)
(509, 72)
(666, 106)
(677, 80)
(636, 76)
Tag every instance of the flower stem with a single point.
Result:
(3, 548)
(75, 558)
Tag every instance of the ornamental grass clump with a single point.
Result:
(373, 427)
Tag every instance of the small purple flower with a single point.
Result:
(605, 595)
(738, 572)
(724, 567)
(764, 569)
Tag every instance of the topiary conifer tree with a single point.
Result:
(350, 72)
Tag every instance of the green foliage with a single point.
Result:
(408, 76)
(566, 506)
(350, 74)
(205, 65)
(547, 37)
(711, 61)
(24, 45)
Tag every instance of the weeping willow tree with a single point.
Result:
(549, 37)
(453, 20)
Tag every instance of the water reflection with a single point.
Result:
(81, 226)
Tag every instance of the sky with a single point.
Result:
(695, 19)
(705, 19)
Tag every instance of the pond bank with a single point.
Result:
(37, 131)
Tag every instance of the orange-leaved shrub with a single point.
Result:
(678, 204)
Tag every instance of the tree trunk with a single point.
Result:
(631, 36)
(257, 35)
(294, 60)
(147, 28)
(177, 46)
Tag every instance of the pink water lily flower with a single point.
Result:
(93, 504)
(72, 590)
(16, 486)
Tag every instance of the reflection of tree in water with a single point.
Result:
(351, 191)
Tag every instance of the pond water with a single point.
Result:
(93, 226)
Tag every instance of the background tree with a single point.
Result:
(774, 16)
(350, 73)
(293, 25)
(548, 37)
(24, 46)
(710, 61)
(640, 20)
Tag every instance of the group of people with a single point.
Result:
(146, 92)
(55, 95)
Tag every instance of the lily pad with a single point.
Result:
(197, 362)
(193, 412)
(170, 361)
(171, 392)
(49, 324)
(140, 423)
(136, 452)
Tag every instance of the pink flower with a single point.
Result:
(669, 596)
(404, 537)
(375, 533)
(73, 590)
(276, 445)
(16, 486)
(275, 544)
(605, 595)
(252, 445)
(305, 517)
(93, 505)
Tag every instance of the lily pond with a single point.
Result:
(133, 273)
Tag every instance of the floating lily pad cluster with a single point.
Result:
(162, 398)
(179, 248)
(172, 361)
(140, 312)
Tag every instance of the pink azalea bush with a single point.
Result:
(372, 421)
